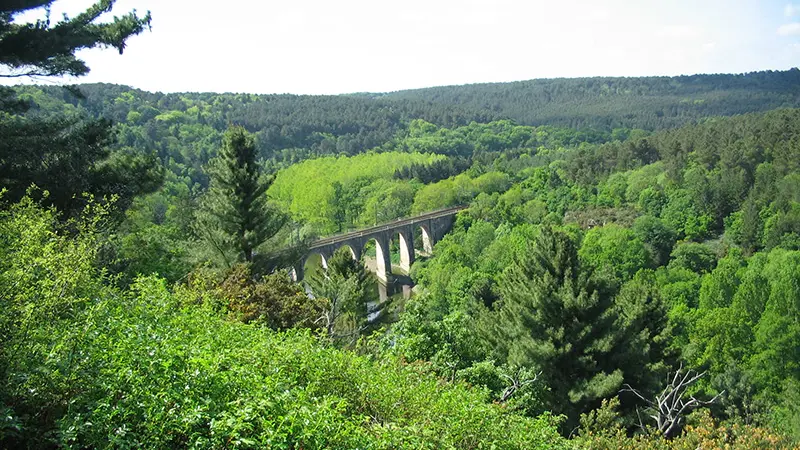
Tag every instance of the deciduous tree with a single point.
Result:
(344, 291)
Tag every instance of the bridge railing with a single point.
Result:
(386, 226)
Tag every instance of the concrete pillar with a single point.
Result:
(407, 250)
(382, 259)
(383, 294)
(297, 272)
(427, 239)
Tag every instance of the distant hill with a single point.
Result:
(185, 129)
(320, 124)
(649, 103)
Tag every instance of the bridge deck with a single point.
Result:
(386, 226)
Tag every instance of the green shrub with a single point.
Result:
(88, 366)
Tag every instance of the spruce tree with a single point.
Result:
(234, 217)
(553, 317)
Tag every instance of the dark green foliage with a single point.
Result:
(435, 171)
(66, 155)
(740, 401)
(657, 237)
(273, 300)
(608, 103)
(155, 236)
(554, 317)
(46, 49)
(234, 217)
(645, 353)
(693, 256)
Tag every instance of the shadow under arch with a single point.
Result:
(314, 263)
(404, 240)
(425, 239)
(355, 252)
(383, 263)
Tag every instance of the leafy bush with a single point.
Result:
(702, 433)
(88, 366)
(274, 300)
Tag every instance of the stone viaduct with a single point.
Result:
(433, 226)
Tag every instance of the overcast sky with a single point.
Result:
(332, 47)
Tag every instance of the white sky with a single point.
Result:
(332, 47)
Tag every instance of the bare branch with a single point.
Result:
(669, 407)
(628, 388)
(516, 383)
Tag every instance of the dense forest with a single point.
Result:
(624, 275)
(650, 103)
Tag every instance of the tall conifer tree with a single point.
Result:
(555, 318)
(235, 217)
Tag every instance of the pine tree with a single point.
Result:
(553, 317)
(46, 49)
(234, 217)
(64, 155)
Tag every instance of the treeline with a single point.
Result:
(649, 103)
(436, 171)
(288, 128)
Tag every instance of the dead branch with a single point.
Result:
(516, 383)
(670, 407)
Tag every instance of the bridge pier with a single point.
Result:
(297, 272)
(427, 240)
(355, 252)
(383, 260)
(407, 254)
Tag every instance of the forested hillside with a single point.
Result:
(608, 266)
(288, 128)
(649, 103)
(588, 266)
(625, 274)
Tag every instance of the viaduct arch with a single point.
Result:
(434, 225)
